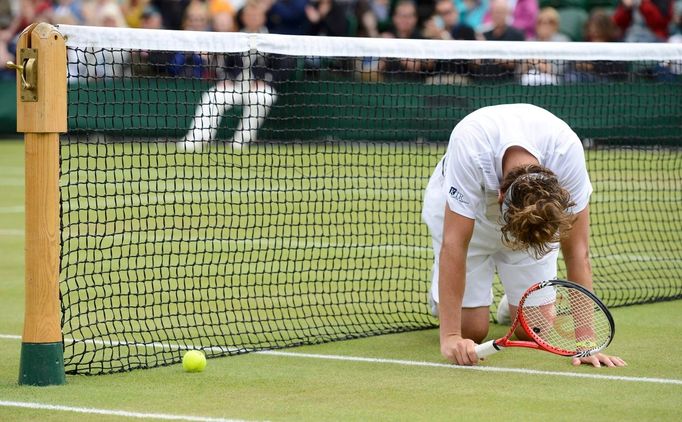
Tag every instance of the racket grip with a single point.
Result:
(486, 349)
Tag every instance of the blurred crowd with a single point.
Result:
(511, 20)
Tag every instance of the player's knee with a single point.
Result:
(521, 334)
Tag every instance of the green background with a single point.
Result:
(333, 108)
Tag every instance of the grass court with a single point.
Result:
(389, 377)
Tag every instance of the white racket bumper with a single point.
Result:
(487, 349)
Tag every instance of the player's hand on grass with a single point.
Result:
(600, 360)
(459, 350)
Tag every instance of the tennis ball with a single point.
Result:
(194, 361)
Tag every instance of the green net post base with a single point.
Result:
(42, 364)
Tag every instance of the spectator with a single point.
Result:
(498, 70)
(20, 16)
(445, 24)
(600, 27)
(253, 17)
(373, 16)
(68, 12)
(91, 10)
(644, 20)
(95, 63)
(9, 24)
(522, 16)
(676, 32)
(288, 17)
(404, 21)
(545, 72)
(327, 18)
(405, 27)
(221, 63)
(192, 64)
(223, 22)
(672, 69)
(172, 12)
(151, 18)
(150, 63)
(547, 26)
(133, 10)
(110, 15)
(196, 17)
(472, 12)
(501, 30)
(6, 14)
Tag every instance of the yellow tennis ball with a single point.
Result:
(194, 361)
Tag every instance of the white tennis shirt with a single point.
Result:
(472, 166)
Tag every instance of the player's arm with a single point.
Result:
(457, 232)
(576, 251)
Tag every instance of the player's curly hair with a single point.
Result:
(535, 210)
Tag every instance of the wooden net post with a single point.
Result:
(41, 116)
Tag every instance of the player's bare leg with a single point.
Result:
(475, 323)
(519, 332)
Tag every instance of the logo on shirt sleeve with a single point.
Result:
(457, 195)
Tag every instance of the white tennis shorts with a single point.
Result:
(517, 270)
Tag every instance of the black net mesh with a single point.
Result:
(238, 202)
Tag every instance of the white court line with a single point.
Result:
(152, 345)
(8, 181)
(670, 381)
(112, 412)
(12, 210)
(17, 170)
(11, 232)
(474, 368)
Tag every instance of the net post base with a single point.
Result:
(42, 364)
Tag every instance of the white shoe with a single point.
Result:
(503, 316)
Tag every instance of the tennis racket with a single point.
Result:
(559, 317)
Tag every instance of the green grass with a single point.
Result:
(290, 387)
(274, 245)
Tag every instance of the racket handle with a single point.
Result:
(487, 349)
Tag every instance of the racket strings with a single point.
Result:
(566, 320)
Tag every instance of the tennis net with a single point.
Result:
(239, 192)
